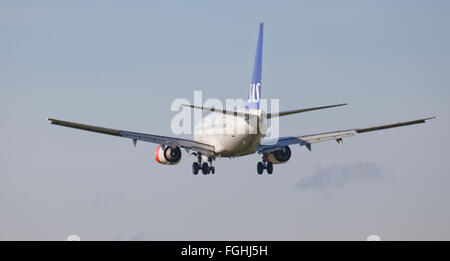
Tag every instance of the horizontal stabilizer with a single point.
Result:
(284, 113)
(212, 109)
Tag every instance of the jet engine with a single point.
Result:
(279, 156)
(168, 155)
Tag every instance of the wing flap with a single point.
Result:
(328, 136)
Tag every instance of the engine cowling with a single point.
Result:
(279, 156)
(167, 155)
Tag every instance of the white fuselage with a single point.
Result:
(231, 136)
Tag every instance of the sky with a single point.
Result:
(120, 64)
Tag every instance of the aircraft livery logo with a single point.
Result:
(254, 92)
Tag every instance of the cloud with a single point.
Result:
(340, 176)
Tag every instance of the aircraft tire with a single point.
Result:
(205, 168)
(195, 168)
(260, 168)
(269, 168)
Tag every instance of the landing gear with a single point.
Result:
(205, 167)
(260, 168)
(269, 168)
(264, 165)
(195, 168)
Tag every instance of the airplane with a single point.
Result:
(209, 144)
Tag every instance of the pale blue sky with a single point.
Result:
(121, 64)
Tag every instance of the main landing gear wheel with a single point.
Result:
(195, 168)
(260, 168)
(269, 168)
(205, 168)
(202, 165)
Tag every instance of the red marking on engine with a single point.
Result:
(157, 154)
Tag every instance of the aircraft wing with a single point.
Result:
(268, 145)
(135, 136)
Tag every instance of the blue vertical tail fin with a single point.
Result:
(255, 86)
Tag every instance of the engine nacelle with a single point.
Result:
(279, 156)
(167, 155)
